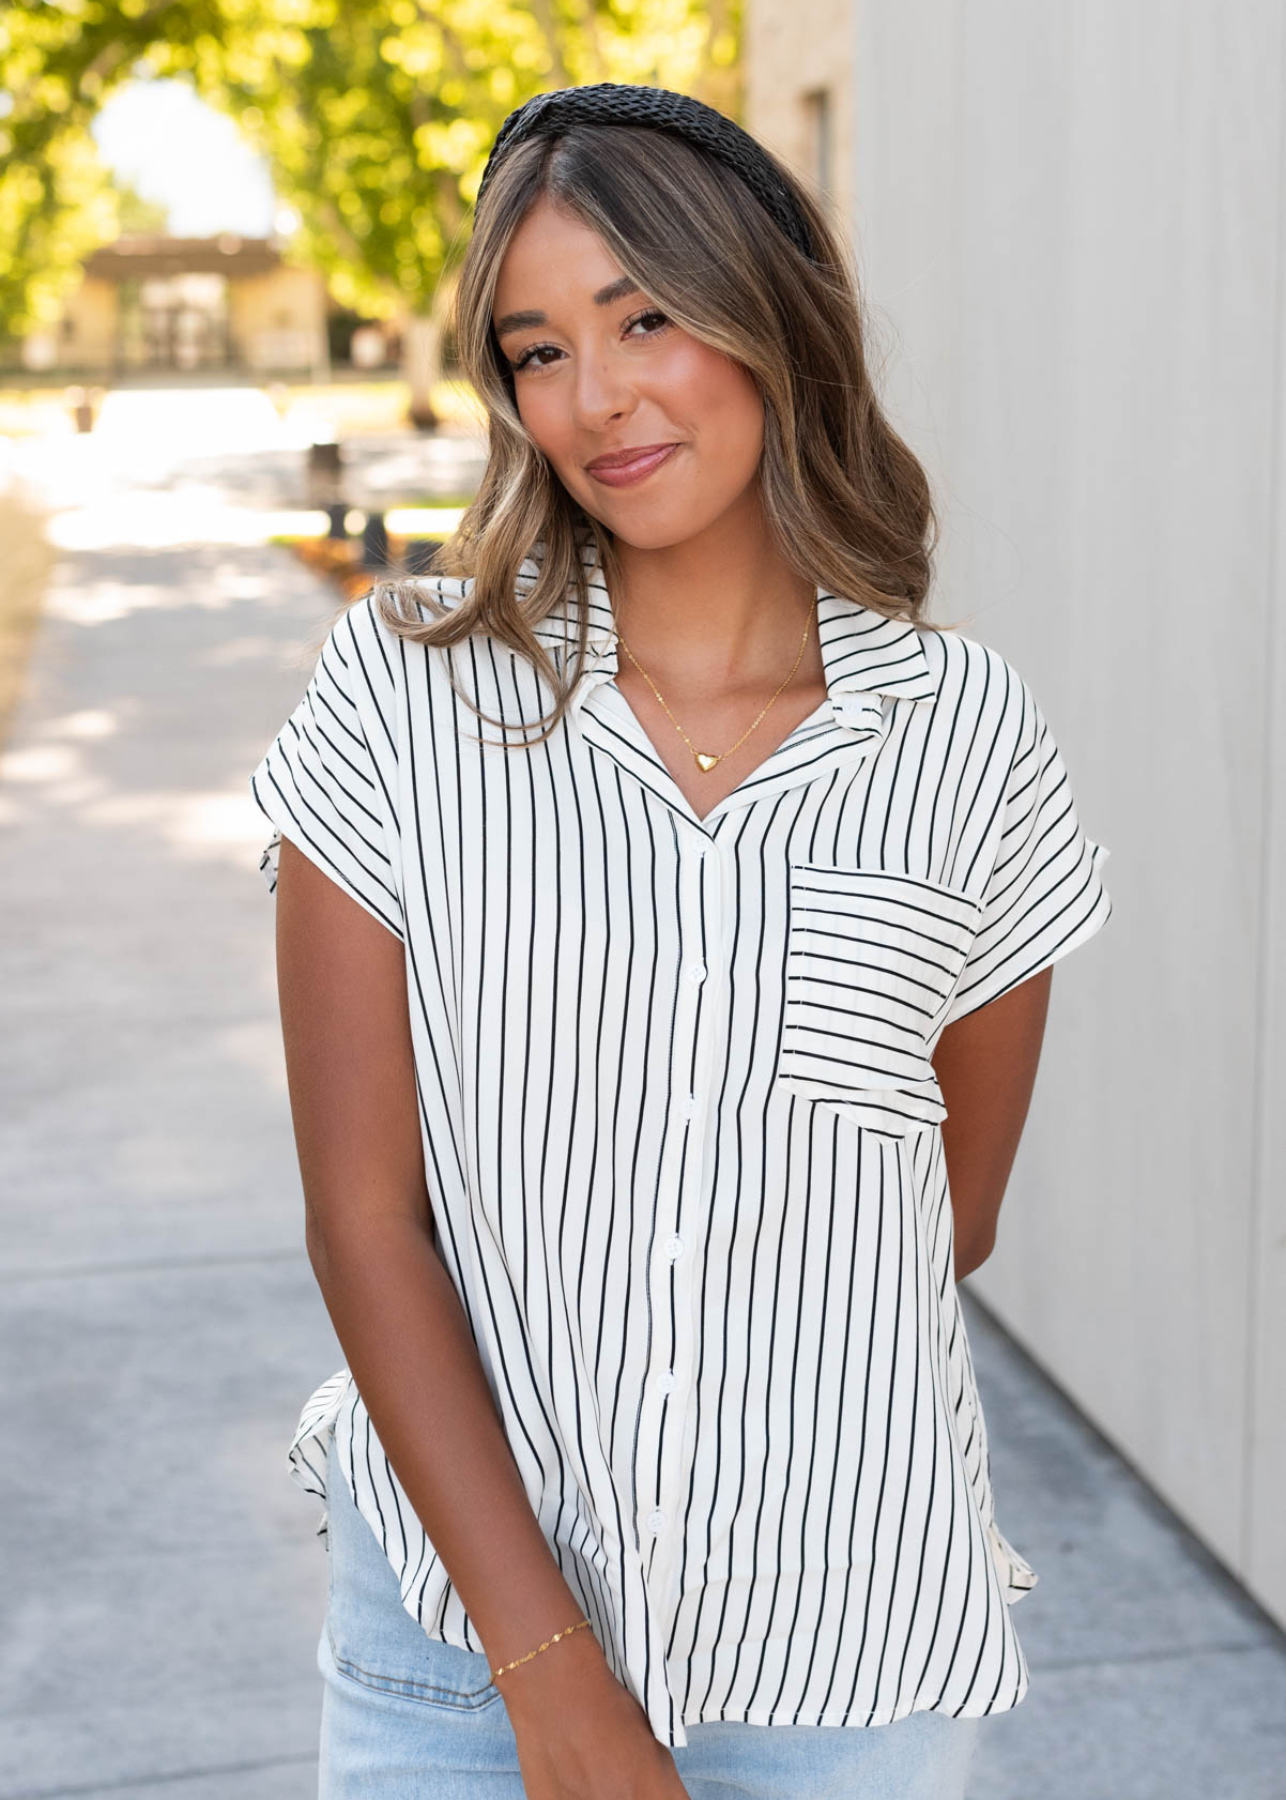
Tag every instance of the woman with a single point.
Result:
(654, 885)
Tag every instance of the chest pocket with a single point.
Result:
(873, 958)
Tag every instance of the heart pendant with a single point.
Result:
(703, 761)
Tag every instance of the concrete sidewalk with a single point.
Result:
(164, 1584)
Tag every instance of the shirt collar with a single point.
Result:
(865, 654)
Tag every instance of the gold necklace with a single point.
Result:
(706, 762)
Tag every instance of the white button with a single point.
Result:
(697, 972)
(702, 845)
(656, 1521)
(674, 1246)
(688, 1105)
(667, 1382)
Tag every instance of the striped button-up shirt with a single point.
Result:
(682, 1137)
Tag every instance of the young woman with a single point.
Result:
(666, 912)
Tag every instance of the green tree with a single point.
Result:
(51, 216)
(374, 115)
(58, 63)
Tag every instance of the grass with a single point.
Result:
(24, 573)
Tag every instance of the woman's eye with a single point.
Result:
(527, 355)
(533, 351)
(650, 314)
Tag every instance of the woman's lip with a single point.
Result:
(625, 474)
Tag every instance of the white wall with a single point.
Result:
(1070, 224)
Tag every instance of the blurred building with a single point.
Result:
(1068, 225)
(800, 91)
(157, 303)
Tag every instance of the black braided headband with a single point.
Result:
(617, 103)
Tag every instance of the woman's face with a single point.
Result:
(597, 369)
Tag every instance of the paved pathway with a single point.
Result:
(161, 1327)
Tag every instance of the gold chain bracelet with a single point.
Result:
(565, 1632)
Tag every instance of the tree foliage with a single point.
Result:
(58, 62)
(374, 116)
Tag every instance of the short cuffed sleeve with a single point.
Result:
(1045, 894)
(328, 779)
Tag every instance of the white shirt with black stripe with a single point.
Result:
(682, 1137)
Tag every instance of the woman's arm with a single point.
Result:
(341, 977)
(986, 1067)
(346, 1029)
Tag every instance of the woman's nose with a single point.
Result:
(602, 391)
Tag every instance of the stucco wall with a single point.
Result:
(1070, 221)
(1086, 286)
(92, 312)
(278, 320)
(791, 53)
(84, 337)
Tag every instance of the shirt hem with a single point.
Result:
(756, 1715)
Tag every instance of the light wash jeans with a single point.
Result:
(407, 1717)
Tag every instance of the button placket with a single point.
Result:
(700, 1003)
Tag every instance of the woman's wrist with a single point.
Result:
(548, 1643)
(569, 1675)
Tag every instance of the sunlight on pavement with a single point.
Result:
(192, 825)
(174, 422)
(164, 521)
(89, 723)
(166, 467)
(423, 521)
(42, 763)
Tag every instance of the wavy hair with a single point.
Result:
(848, 504)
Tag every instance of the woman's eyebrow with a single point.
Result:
(620, 289)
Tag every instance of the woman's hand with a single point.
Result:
(587, 1738)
